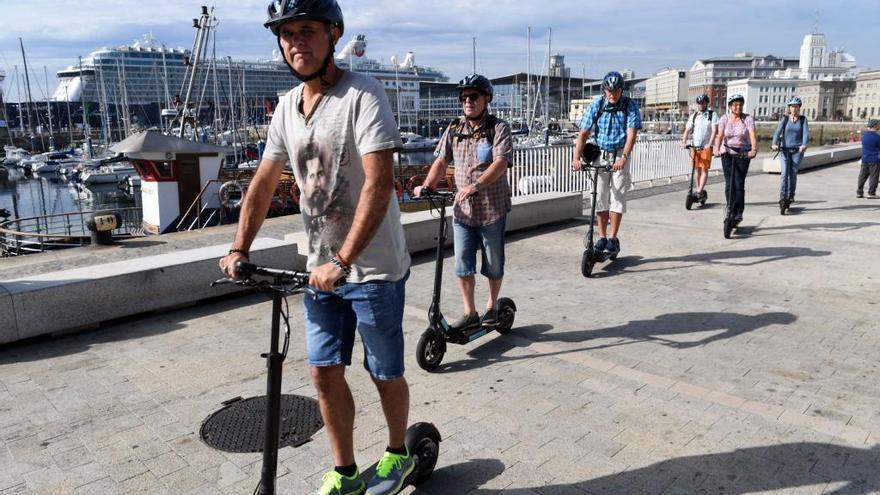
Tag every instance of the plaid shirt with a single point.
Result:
(610, 132)
(469, 149)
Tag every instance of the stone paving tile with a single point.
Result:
(681, 368)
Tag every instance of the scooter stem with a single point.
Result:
(274, 361)
(434, 315)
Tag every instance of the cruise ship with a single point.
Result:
(150, 78)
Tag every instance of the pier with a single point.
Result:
(691, 364)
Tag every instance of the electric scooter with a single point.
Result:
(785, 203)
(432, 344)
(243, 416)
(691, 197)
(730, 222)
(591, 256)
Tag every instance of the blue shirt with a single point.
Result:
(611, 128)
(792, 138)
(871, 148)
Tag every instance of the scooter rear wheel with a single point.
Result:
(430, 350)
(423, 442)
(506, 315)
(587, 261)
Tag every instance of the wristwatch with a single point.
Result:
(477, 185)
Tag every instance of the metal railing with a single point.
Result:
(29, 235)
(548, 169)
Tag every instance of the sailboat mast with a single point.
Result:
(49, 109)
(529, 82)
(547, 98)
(27, 86)
(232, 109)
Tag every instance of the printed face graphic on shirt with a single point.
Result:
(315, 167)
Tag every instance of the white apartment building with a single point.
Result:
(666, 94)
(766, 99)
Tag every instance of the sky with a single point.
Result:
(643, 35)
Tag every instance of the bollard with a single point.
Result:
(102, 224)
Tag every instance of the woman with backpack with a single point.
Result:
(791, 138)
(736, 143)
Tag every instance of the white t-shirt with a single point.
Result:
(351, 120)
(699, 123)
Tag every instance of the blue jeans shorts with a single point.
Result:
(489, 239)
(375, 309)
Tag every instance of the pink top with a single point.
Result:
(736, 134)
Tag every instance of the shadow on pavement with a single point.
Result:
(625, 264)
(789, 466)
(659, 330)
(819, 227)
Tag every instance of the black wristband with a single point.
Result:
(240, 251)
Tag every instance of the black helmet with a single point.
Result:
(281, 11)
(612, 81)
(591, 153)
(703, 99)
(478, 82)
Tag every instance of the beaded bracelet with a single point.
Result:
(341, 265)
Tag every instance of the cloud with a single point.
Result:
(644, 35)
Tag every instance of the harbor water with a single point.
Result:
(26, 196)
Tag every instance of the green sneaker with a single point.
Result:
(391, 472)
(337, 484)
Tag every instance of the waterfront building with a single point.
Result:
(866, 102)
(710, 76)
(666, 95)
(827, 100)
(819, 63)
(766, 99)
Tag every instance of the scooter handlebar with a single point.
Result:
(428, 192)
(595, 165)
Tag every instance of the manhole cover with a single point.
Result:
(241, 426)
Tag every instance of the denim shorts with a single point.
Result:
(489, 239)
(375, 309)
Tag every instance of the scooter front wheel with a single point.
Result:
(423, 442)
(506, 315)
(728, 227)
(689, 201)
(430, 350)
(587, 261)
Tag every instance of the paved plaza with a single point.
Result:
(691, 364)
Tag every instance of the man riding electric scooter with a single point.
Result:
(616, 121)
(698, 133)
(338, 131)
(480, 146)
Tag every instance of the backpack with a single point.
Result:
(488, 130)
(801, 120)
(622, 106)
(693, 121)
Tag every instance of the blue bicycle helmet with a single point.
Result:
(612, 81)
(736, 97)
(703, 99)
(795, 101)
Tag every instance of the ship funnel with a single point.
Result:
(409, 61)
(357, 46)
